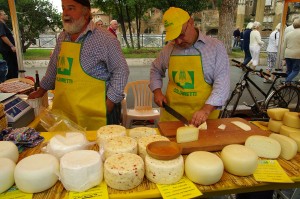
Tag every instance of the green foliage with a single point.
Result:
(190, 6)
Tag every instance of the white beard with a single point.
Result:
(75, 26)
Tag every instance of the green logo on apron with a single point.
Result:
(184, 79)
(64, 68)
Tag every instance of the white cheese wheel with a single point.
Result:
(239, 160)
(124, 171)
(242, 125)
(81, 170)
(164, 171)
(263, 146)
(187, 134)
(203, 167)
(296, 136)
(139, 132)
(36, 173)
(60, 145)
(7, 168)
(119, 145)
(277, 113)
(9, 150)
(291, 119)
(274, 125)
(289, 146)
(109, 131)
(285, 130)
(144, 141)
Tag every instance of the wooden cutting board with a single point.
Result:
(212, 139)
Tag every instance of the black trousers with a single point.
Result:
(12, 63)
(114, 117)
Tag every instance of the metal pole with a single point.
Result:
(15, 25)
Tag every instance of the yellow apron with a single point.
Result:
(80, 96)
(187, 90)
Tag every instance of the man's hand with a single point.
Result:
(37, 94)
(159, 97)
(110, 105)
(201, 116)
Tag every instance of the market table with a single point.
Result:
(229, 184)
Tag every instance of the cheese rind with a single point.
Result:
(144, 141)
(9, 150)
(291, 119)
(286, 130)
(36, 173)
(164, 171)
(242, 125)
(7, 168)
(81, 170)
(124, 171)
(119, 145)
(289, 146)
(187, 134)
(263, 146)
(203, 167)
(239, 160)
(139, 132)
(277, 113)
(274, 125)
(296, 136)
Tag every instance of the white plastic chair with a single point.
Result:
(143, 109)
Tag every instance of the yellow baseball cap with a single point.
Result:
(173, 20)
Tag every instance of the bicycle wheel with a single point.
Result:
(232, 103)
(285, 97)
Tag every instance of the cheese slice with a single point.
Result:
(9, 150)
(274, 125)
(187, 134)
(7, 168)
(289, 146)
(203, 126)
(277, 113)
(285, 130)
(291, 119)
(242, 125)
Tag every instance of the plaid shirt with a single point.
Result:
(101, 57)
(215, 65)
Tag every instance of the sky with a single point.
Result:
(56, 4)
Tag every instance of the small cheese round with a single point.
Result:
(274, 125)
(286, 130)
(296, 136)
(139, 132)
(239, 160)
(109, 131)
(164, 171)
(7, 168)
(289, 146)
(263, 146)
(119, 145)
(277, 113)
(203, 167)
(124, 171)
(36, 173)
(81, 170)
(291, 119)
(144, 141)
(9, 150)
(60, 145)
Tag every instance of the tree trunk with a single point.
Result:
(121, 18)
(129, 26)
(138, 25)
(226, 22)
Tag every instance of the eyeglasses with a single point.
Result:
(182, 35)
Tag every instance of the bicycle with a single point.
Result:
(284, 96)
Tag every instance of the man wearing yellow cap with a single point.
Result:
(87, 70)
(198, 70)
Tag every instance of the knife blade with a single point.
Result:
(176, 114)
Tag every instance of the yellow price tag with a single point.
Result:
(183, 189)
(14, 192)
(99, 191)
(270, 171)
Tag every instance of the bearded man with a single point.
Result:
(87, 70)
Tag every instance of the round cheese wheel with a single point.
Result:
(81, 170)
(139, 132)
(285, 130)
(36, 173)
(289, 146)
(9, 150)
(60, 145)
(164, 171)
(109, 131)
(277, 113)
(7, 167)
(118, 145)
(274, 125)
(291, 119)
(144, 141)
(239, 160)
(296, 136)
(263, 146)
(203, 167)
(124, 171)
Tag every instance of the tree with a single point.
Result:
(35, 17)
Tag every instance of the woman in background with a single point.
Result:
(255, 44)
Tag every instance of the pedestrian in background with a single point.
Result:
(99, 23)
(246, 43)
(236, 37)
(113, 26)
(290, 27)
(272, 52)
(7, 47)
(242, 40)
(255, 44)
(291, 48)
